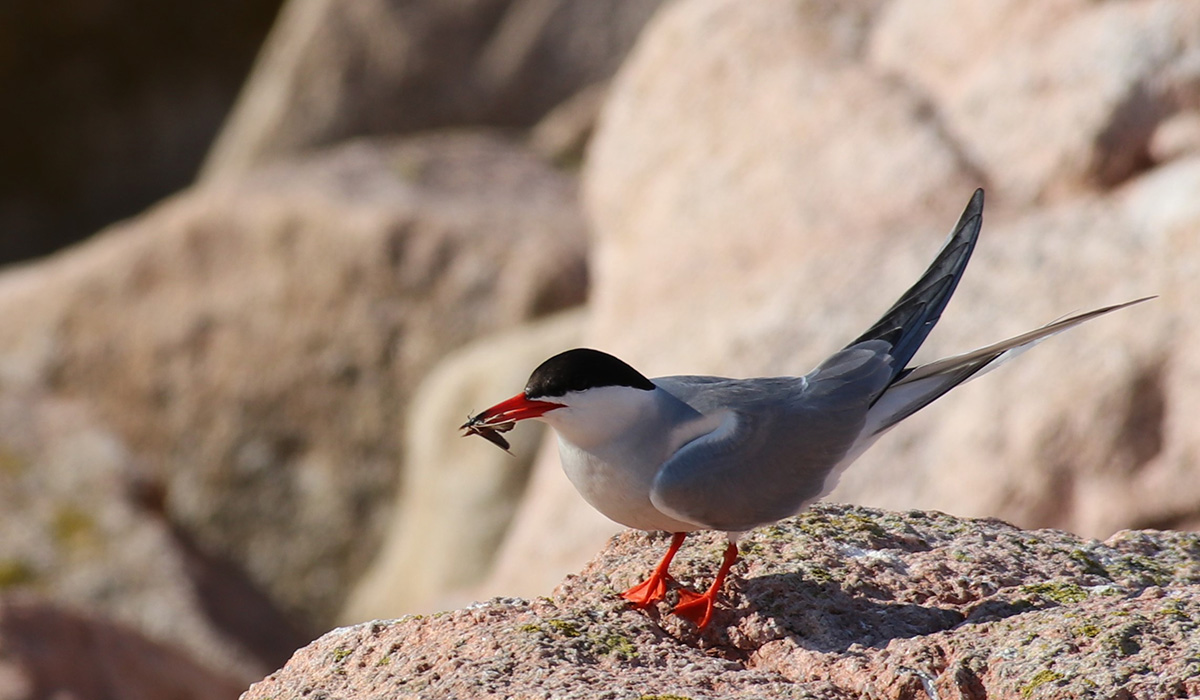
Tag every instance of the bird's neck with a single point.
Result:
(603, 416)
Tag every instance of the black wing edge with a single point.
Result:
(906, 325)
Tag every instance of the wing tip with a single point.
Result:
(973, 210)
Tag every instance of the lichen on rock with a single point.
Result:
(905, 604)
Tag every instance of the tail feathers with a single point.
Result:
(917, 387)
(906, 325)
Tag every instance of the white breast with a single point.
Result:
(621, 491)
(612, 442)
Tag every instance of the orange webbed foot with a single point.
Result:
(654, 589)
(698, 608)
(650, 591)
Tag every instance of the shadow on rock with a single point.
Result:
(824, 617)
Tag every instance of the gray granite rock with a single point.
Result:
(839, 602)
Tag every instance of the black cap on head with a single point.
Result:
(581, 369)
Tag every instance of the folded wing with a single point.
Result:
(777, 443)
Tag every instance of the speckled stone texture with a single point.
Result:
(839, 602)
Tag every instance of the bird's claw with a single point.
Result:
(698, 607)
(648, 592)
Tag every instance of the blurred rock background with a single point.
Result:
(109, 106)
(228, 422)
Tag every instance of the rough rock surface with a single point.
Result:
(839, 602)
(47, 651)
(253, 343)
(755, 226)
(334, 70)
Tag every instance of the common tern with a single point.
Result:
(687, 453)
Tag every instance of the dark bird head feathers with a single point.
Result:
(579, 370)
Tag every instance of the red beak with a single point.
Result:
(510, 411)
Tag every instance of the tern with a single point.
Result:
(687, 453)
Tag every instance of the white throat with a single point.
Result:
(599, 416)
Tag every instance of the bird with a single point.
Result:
(681, 454)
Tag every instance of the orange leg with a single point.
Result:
(698, 607)
(654, 589)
